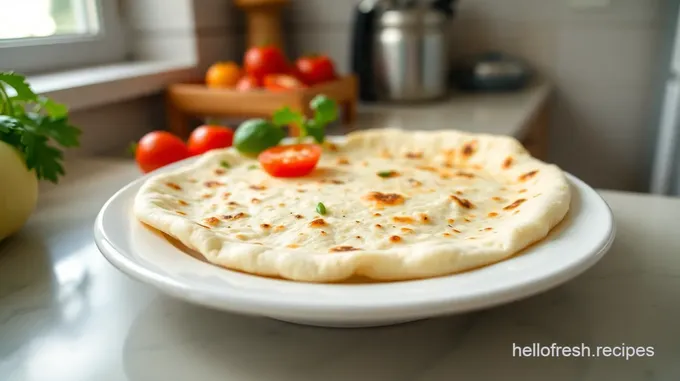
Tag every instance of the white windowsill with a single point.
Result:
(96, 86)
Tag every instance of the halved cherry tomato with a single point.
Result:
(290, 161)
(260, 61)
(282, 82)
(206, 138)
(315, 69)
(158, 149)
(247, 83)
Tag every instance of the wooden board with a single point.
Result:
(186, 100)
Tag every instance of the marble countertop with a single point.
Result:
(67, 314)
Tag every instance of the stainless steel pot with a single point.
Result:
(400, 49)
(411, 55)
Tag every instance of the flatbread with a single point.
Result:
(400, 205)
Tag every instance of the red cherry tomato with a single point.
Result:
(290, 161)
(315, 69)
(282, 82)
(263, 60)
(206, 138)
(158, 149)
(247, 83)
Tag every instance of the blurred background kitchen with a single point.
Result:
(589, 82)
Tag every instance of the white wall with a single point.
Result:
(602, 62)
(160, 29)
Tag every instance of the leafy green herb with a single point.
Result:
(253, 166)
(132, 149)
(224, 164)
(386, 173)
(321, 208)
(34, 125)
(325, 112)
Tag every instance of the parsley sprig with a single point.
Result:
(36, 126)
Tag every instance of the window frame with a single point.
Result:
(49, 54)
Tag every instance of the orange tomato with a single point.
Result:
(223, 75)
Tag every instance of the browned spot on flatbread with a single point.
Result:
(220, 171)
(515, 204)
(378, 226)
(332, 147)
(428, 168)
(212, 221)
(173, 186)
(464, 203)
(319, 222)
(233, 203)
(456, 231)
(339, 249)
(293, 246)
(395, 239)
(424, 218)
(337, 182)
(212, 184)
(377, 214)
(507, 162)
(256, 201)
(385, 154)
(403, 219)
(522, 191)
(469, 149)
(528, 175)
(414, 155)
(516, 211)
(407, 230)
(497, 199)
(226, 194)
(299, 216)
(281, 205)
(181, 213)
(207, 227)
(265, 226)
(257, 187)
(233, 217)
(323, 232)
(451, 220)
(280, 228)
(459, 193)
(486, 230)
(381, 199)
(446, 235)
(301, 191)
(465, 174)
(242, 237)
(182, 202)
(343, 161)
(492, 214)
(415, 183)
(467, 219)
(207, 195)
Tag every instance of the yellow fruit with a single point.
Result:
(18, 191)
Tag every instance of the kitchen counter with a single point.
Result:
(67, 314)
(521, 114)
(490, 113)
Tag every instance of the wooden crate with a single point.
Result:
(186, 100)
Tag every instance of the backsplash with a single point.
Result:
(601, 61)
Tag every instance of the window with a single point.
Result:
(48, 35)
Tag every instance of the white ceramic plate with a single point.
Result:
(576, 244)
